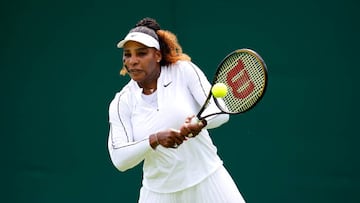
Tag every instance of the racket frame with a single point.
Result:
(210, 95)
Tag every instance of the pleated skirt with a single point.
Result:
(217, 188)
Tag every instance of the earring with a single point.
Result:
(123, 71)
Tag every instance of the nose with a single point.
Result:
(133, 60)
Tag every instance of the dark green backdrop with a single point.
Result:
(59, 71)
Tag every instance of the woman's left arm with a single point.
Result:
(199, 86)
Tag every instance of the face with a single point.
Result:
(141, 62)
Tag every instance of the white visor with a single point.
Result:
(140, 37)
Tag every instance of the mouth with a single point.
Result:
(135, 71)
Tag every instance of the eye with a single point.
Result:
(126, 55)
(142, 53)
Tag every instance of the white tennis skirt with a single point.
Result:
(217, 188)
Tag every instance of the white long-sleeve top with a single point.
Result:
(181, 90)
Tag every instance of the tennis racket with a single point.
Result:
(244, 73)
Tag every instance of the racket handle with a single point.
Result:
(194, 120)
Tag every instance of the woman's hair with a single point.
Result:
(170, 48)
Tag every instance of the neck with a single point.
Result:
(151, 90)
(148, 91)
(150, 86)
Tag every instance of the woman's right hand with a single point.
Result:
(170, 138)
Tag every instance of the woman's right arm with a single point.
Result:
(125, 153)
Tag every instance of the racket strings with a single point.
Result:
(246, 86)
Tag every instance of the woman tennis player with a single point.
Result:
(150, 120)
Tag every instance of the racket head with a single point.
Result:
(245, 74)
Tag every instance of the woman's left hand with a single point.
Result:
(192, 129)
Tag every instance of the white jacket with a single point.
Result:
(181, 90)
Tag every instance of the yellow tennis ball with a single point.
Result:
(219, 90)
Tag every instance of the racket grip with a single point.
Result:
(194, 120)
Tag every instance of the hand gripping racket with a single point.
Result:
(244, 73)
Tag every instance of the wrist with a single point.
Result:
(154, 141)
(204, 122)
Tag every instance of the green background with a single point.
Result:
(59, 72)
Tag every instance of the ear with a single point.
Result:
(158, 56)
